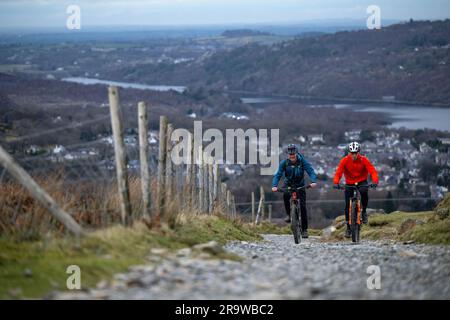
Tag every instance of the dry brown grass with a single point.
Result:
(92, 204)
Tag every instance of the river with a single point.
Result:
(125, 84)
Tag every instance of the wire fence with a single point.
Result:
(322, 211)
(340, 201)
(116, 178)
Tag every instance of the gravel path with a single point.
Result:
(279, 269)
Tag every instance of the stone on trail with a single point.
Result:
(142, 268)
(328, 231)
(408, 254)
(185, 252)
(102, 285)
(158, 251)
(211, 247)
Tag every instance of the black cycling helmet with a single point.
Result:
(292, 149)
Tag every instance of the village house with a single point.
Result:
(354, 135)
(316, 138)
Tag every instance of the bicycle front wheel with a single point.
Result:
(295, 223)
(356, 227)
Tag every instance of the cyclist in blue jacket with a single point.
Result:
(293, 170)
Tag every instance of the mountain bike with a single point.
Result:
(354, 209)
(295, 211)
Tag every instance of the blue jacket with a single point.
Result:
(294, 174)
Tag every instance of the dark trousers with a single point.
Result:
(364, 191)
(302, 198)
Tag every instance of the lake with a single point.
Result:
(139, 86)
(410, 117)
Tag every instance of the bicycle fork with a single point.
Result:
(358, 211)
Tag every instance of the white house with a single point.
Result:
(33, 149)
(354, 135)
(58, 149)
(301, 139)
(316, 138)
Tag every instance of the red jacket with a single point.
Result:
(355, 170)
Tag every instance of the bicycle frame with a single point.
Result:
(295, 210)
(354, 206)
(293, 193)
(356, 198)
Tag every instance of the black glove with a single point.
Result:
(336, 186)
(374, 185)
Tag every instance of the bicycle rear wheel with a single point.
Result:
(295, 223)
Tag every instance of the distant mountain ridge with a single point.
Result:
(243, 33)
(407, 62)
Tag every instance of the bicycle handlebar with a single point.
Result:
(289, 189)
(343, 187)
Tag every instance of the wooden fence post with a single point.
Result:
(210, 188)
(161, 164)
(193, 189)
(223, 196)
(143, 156)
(38, 193)
(169, 185)
(188, 181)
(177, 190)
(205, 185)
(253, 207)
(233, 207)
(120, 154)
(228, 203)
(216, 181)
(201, 182)
(260, 212)
(263, 207)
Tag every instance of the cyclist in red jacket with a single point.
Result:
(356, 169)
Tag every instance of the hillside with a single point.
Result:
(410, 61)
(431, 227)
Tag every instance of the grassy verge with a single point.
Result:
(421, 227)
(33, 268)
(266, 228)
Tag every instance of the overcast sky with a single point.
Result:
(52, 13)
